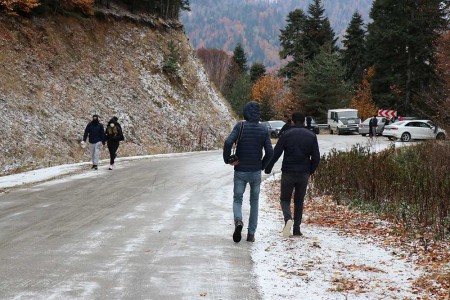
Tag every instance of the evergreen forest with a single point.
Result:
(397, 61)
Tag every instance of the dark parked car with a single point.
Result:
(274, 127)
(314, 126)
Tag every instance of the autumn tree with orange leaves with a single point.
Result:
(13, 7)
(363, 100)
(275, 98)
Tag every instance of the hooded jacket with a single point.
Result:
(113, 134)
(254, 138)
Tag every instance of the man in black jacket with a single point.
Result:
(96, 134)
(254, 138)
(301, 159)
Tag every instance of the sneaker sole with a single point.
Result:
(287, 229)
(237, 234)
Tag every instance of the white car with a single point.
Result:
(414, 130)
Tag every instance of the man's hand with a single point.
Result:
(235, 163)
(83, 144)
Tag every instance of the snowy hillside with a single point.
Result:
(59, 70)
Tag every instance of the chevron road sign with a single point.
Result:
(387, 113)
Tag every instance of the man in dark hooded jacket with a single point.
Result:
(253, 139)
(301, 159)
(96, 133)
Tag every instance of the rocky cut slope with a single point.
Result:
(55, 72)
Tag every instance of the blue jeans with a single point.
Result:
(240, 182)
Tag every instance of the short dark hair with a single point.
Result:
(298, 118)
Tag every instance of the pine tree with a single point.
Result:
(257, 70)
(318, 31)
(240, 58)
(291, 41)
(239, 94)
(323, 86)
(353, 54)
(303, 36)
(401, 45)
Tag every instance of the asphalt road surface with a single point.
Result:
(157, 228)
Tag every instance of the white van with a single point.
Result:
(343, 120)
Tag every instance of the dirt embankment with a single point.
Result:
(55, 72)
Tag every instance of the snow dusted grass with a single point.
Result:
(324, 263)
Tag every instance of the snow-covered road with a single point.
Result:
(160, 228)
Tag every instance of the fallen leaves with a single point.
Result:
(362, 268)
(405, 243)
(353, 284)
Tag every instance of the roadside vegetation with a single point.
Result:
(410, 185)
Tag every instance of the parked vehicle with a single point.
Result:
(343, 120)
(274, 127)
(363, 128)
(314, 126)
(414, 130)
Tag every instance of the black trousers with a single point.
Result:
(112, 147)
(289, 182)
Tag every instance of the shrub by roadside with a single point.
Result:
(408, 184)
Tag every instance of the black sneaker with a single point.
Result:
(95, 167)
(250, 237)
(297, 232)
(237, 231)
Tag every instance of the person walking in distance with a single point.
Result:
(251, 138)
(300, 161)
(286, 126)
(373, 126)
(113, 136)
(96, 133)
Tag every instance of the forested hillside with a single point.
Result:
(257, 23)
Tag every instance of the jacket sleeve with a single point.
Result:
(279, 147)
(268, 151)
(315, 156)
(86, 132)
(229, 143)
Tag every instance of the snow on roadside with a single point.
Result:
(44, 174)
(324, 264)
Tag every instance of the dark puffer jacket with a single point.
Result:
(254, 138)
(301, 151)
(95, 131)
